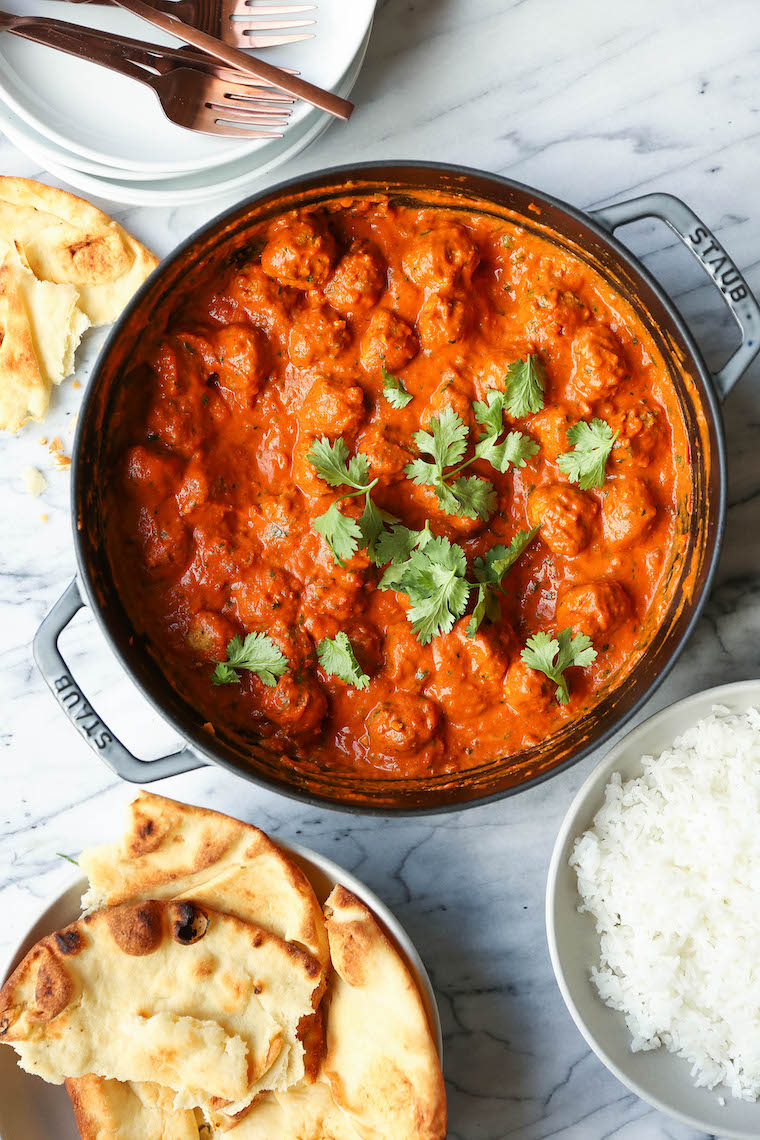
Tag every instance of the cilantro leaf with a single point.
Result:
(224, 675)
(394, 390)
(391, 579)
(486, 606)
(358, 471)
(490, 572)
(524, 387)
(336, 657)
(258, 653)
(395, 545)
(330, 460)
(422, 473)
(475, 497)
(490, 412)
(469, 497)
(592, 444)
(434, 580)
(500, 559)
(447, 500)
(446, 441)
(341, 533)
(553, 655)
(514, 450)
(372, 524)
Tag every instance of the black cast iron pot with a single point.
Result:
(587, 235)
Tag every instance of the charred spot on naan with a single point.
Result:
(136, 930)
(69, 941)
(53, 988)
(100, 258)
(147, 834)
(188, 922)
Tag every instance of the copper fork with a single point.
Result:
(189, 97)
(157, 57)
(241, 23)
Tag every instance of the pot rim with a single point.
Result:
(710, 403)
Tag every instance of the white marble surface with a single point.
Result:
(592, 102)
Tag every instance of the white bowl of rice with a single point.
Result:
(653, 910)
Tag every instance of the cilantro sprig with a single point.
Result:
(553, 655)
(592, 444)
(432, 572)
(468, 496)
(446, 442)
(343, 534)
(434, 578)
(524, 386)
(393, 549)
(257, 653)
(514, 449)
(336, 656)
(394, 390)
(490, 572)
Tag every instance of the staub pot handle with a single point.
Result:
(81, 713)
(713, 258)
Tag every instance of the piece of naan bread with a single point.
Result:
(175, 850)
(41, 326)
(169, 992)
(307, 1113)
(67, 240)
(381, 1078)
(111, 1110)
(381, 1062)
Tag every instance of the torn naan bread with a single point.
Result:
(306, 1113)
(168, 992)
(381, 1078)
(67, 240)
(112, 1110)
(175, 850)
(41, 326)
(381, 1062)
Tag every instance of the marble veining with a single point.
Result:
(593, 103)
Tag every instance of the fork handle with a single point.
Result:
(56, 34)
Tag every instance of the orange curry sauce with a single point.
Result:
(213, 497)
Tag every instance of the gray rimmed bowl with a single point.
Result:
(658, 1077)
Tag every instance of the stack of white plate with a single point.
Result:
(106, 135)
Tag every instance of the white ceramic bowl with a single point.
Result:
(658, 1077)
(33, 1110)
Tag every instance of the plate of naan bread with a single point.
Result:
(216, 983)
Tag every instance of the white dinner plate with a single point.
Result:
(657, 1076)
(109, 119)
(33, 1110)
(179, 189)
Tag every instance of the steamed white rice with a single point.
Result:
(670, 870)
